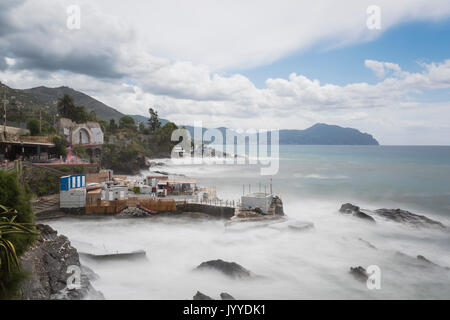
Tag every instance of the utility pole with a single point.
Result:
(40, 121)
(271, 192)
(5, 102)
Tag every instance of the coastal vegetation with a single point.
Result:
(17, 233)
(128, 144)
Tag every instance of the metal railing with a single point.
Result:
(215, 202)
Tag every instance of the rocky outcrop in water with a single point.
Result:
(350, 209)
(406, 217)
(230, 269)
(396, 215)
(430, 263)
(418, 262)
(48, 261)
(202, 297)
(359, 273)
(226, 296)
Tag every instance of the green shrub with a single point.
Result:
(14, 196)
(136, 190)
(34, 127)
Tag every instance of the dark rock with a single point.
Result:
(359, 273)
(230, 269)
(355, 211)
(162, 172)
(90, 274)
(226, 296)
(403, 216)
(201, 296)
(48, 261)
(367, 243)
(428, 262)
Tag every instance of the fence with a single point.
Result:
(96, 206)
(37, 139)
(216, 202)
(159, 205)
(106, 207)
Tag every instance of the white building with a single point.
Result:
(89, 133)
(257, 200)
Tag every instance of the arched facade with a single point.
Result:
(89, 133)
(81, 136)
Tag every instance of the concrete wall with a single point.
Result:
(214, 211)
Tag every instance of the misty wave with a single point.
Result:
(292, 264)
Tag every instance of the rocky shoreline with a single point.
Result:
(52, 264)
(50, 258)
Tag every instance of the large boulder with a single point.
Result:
(231, 269)
(359, 273)
(48, 261)
(406, 217)
(226, 296)
(200, 296)
(355, 211)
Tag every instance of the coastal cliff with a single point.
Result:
(47, 263)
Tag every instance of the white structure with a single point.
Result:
(257, 200)
(115, 193)
(72, 191)
(73, 198)
(89, 133)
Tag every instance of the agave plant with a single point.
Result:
(8, 226)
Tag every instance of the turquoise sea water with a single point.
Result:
(410, 177)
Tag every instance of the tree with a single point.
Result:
(167, 129)
(66, 107)
(33, 126)
(127, 122)
(154, 122)
(112, 126)
(141, 127)
(60, 146)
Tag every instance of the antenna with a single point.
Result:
(5, 102)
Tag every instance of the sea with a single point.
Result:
(313, 182)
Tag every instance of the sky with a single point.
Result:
(244, 64)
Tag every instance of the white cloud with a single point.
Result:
(114, 58)
(241, 34)
(382, 68)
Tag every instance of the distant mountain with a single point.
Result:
(35, 98)
(318, 134)
(324, 134)
(138, 118)
(50, 96)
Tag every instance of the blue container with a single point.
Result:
(72, 182)
(64, 183)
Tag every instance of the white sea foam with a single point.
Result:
(294, 265)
